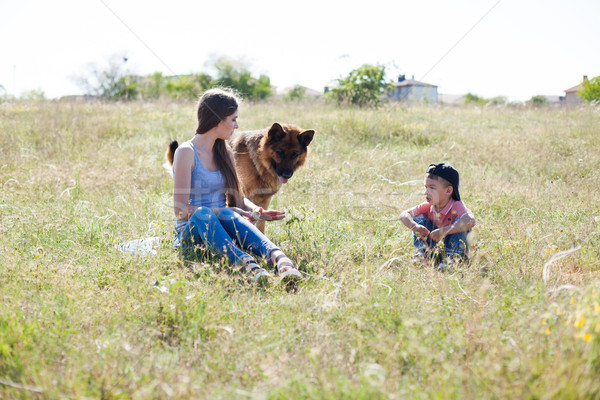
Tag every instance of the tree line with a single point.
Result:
(114, 82)
(364, 86)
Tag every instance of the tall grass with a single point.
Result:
(522, 320)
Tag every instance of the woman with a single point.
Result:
(207, 200)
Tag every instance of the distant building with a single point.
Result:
(554, 100)
(411, 90)
(571, 95)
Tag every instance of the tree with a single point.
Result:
(538, 101)
(498, 101)
(153, 86)
(126, 88)
(590, 90)
(187, 86)
(262, 88)
(110, 81)
(364, 86)
(295, 93)
(235, 74)
(33, 95)
(203, 81)
(471, 98)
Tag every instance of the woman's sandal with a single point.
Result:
(289, 276)
(257, 274)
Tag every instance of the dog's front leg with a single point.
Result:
(262, 201)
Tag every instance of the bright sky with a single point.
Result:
(520, 49)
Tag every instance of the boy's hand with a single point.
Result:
(436, 235)
(421, 231)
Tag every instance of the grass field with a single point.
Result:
(79, 319)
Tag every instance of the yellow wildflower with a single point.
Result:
(547, 330)
(597, 308)
(572, 300)
(579, 323)
(587, 337)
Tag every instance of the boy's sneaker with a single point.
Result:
(449, 263)
(444, 265)
(420, 257)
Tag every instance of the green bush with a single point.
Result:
(498, 101)
(471, 98)
(126, 88)
(154, 86)
(113, 82)
(235, 74)
(295, 93)
(590, 90)
(363, 87)
(537, 101)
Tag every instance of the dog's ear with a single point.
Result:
(306, 137)
(276, 133)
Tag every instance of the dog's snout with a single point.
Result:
(287, 174)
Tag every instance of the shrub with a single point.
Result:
(363, 87)
(590, 90)
(537, 101)
(235, 74)
(295, 93)
(471, 98)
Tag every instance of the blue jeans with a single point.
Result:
(454, 244)
(228, 234)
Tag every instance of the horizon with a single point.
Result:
(463, 47)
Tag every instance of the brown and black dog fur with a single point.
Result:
(171, 151)
(267, 158)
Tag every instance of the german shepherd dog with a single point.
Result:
(266, 159)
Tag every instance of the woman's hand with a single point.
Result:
(243, 213)
(259, 213)
(267, 215)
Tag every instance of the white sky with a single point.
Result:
(520, 49)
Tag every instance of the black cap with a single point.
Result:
(447, 172)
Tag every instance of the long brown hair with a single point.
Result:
(214, 106)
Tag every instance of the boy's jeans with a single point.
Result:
(455, 244)
(227, 233)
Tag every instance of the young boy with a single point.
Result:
(442, 217)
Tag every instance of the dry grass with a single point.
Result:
(80, 319)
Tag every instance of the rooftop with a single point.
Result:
(412, 82)
(575, 89)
